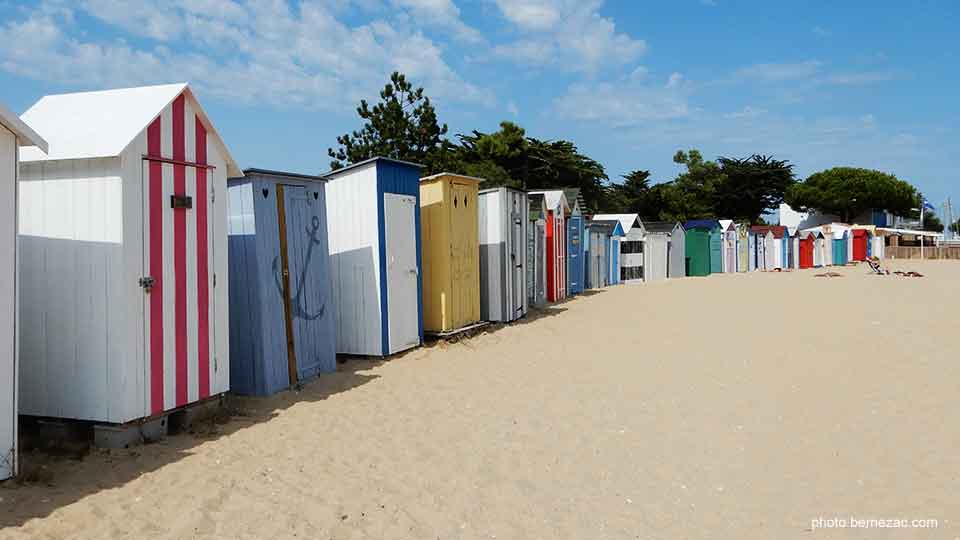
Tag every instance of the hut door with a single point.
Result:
(306, 279)
(178, 282)
(463, 256)
(402, 273)
(575, 254)
(516, 255)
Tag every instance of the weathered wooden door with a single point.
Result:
(400, 238)
(307, 281)
(464, 254)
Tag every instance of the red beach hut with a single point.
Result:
(806, 250)
(860, 239)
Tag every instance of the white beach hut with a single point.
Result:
(504, 218)
(373, 222)
(631, 246)
(123, 232)
(14, 133)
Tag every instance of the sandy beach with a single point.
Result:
(734, 406)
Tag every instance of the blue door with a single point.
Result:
(716, 252)
(614, 253)
(311, 313)
(575, 254)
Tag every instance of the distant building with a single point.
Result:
(804, 220)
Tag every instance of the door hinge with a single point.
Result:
(213, 195)
(147, 283)
(216, 364)
(214, 279)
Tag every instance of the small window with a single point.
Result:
(454, 202)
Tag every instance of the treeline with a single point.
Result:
(404, 125)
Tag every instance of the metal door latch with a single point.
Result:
(147, 283)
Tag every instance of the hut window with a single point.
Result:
(266, 192)
(316, 195)
(454, 202)
(464, 201)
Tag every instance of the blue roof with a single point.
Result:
(702, 224)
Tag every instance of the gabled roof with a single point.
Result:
(725, 224)
(337, 172)
(778, 230)
(25, 135)
(660, 226)
(575, 199)
(627, 221)
(554, 198)
(608, 226)
(282, 174)
(103, 124)
(709, 224)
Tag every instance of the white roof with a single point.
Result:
(103, 123)
(25, 135)
(627, 221)
(725, 224)
(889, 230)
(553, 198)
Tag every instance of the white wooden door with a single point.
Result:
(403, 318)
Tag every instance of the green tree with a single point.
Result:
(931, 222)
(403, 125)
(691, 195)
(848, 191)
(749, 188)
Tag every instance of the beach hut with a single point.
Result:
(598, 256)
(557, 209)
(373, 221)
(773, 245)
(805, 248)
(631, 246)
(537, 251)
(704, 251)
(281, 312)
(841, 242)
(503, 215)
(664, 250)
(124, 279)
(728, 240)
(14, 134)
(576, 265)
(614, 241)
(861, 244)
(449, 236)
(743, 247)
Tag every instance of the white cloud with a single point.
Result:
(780, 72)
(854, 79)
(675, 80)
(263, 51)
(443, 14)
(622, 103)
(512, 109)
(569, 34)
(746, 113)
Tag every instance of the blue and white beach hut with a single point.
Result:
(281, 309)
(373, 216)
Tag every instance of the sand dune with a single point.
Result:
(734, 406)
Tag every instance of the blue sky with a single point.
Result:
(860, 83)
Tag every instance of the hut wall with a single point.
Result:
(8, 302)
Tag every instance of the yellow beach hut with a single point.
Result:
(449, 234)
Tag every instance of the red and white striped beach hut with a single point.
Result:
(123, 236)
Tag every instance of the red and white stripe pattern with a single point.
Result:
(178, 259)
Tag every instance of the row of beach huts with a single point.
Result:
(144, 271)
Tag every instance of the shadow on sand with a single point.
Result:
(54, 477)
